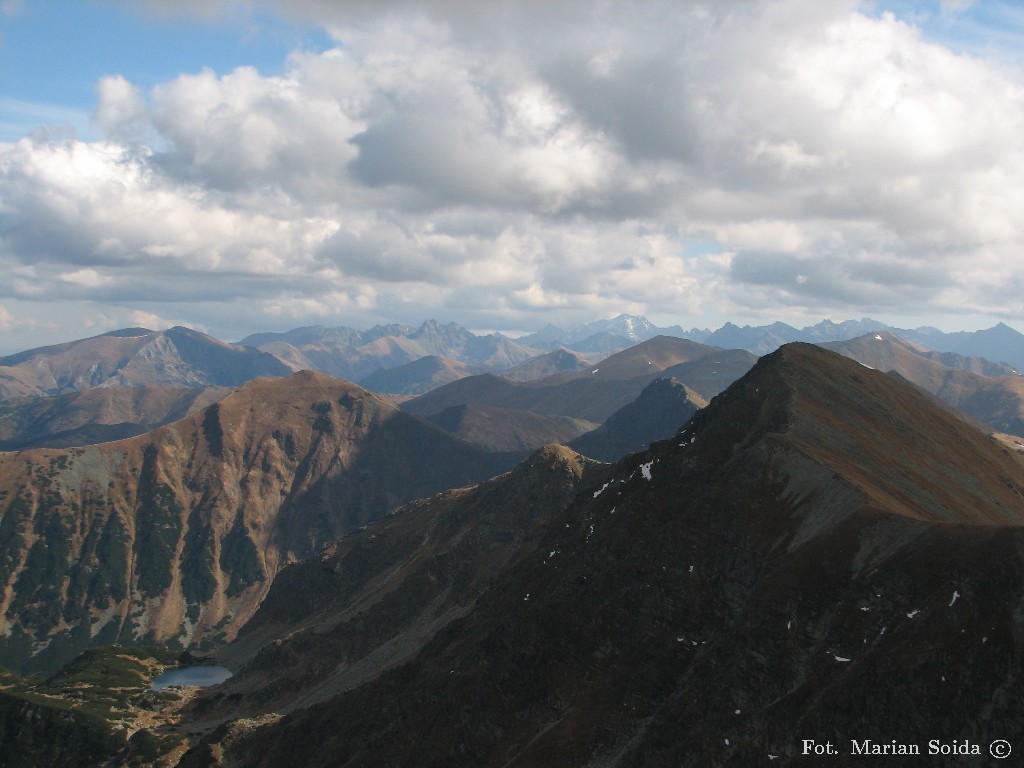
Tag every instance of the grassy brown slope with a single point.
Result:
(726, 589)
(835, 429)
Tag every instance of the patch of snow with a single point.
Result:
(912, 614)
(527, 597)
(864, 608)
(645, 469)
(878, 337)
(601, 489)
(867, 366)
(840, 658)
(595, 370)
(955, 596)
(789, 625)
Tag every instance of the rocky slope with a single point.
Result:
(816, 533)
(176, 535)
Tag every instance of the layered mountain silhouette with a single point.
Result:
(820, 553)
(175, 536)
(595, 393)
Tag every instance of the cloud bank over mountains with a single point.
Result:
(513, 165)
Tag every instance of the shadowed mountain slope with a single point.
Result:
(175, 536)
(662, 408)
(817, 532)
(371, 601)
(179, 357)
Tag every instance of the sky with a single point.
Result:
(245, 165)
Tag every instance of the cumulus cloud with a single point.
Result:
(678, 159)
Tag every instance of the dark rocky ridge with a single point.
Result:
(821, 553)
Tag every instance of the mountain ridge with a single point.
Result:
(174, 536)
(719, 592)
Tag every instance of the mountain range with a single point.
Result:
(730, 551)
(822, 553)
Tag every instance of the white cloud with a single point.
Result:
(669, 158)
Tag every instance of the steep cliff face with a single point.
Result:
(176, 535)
